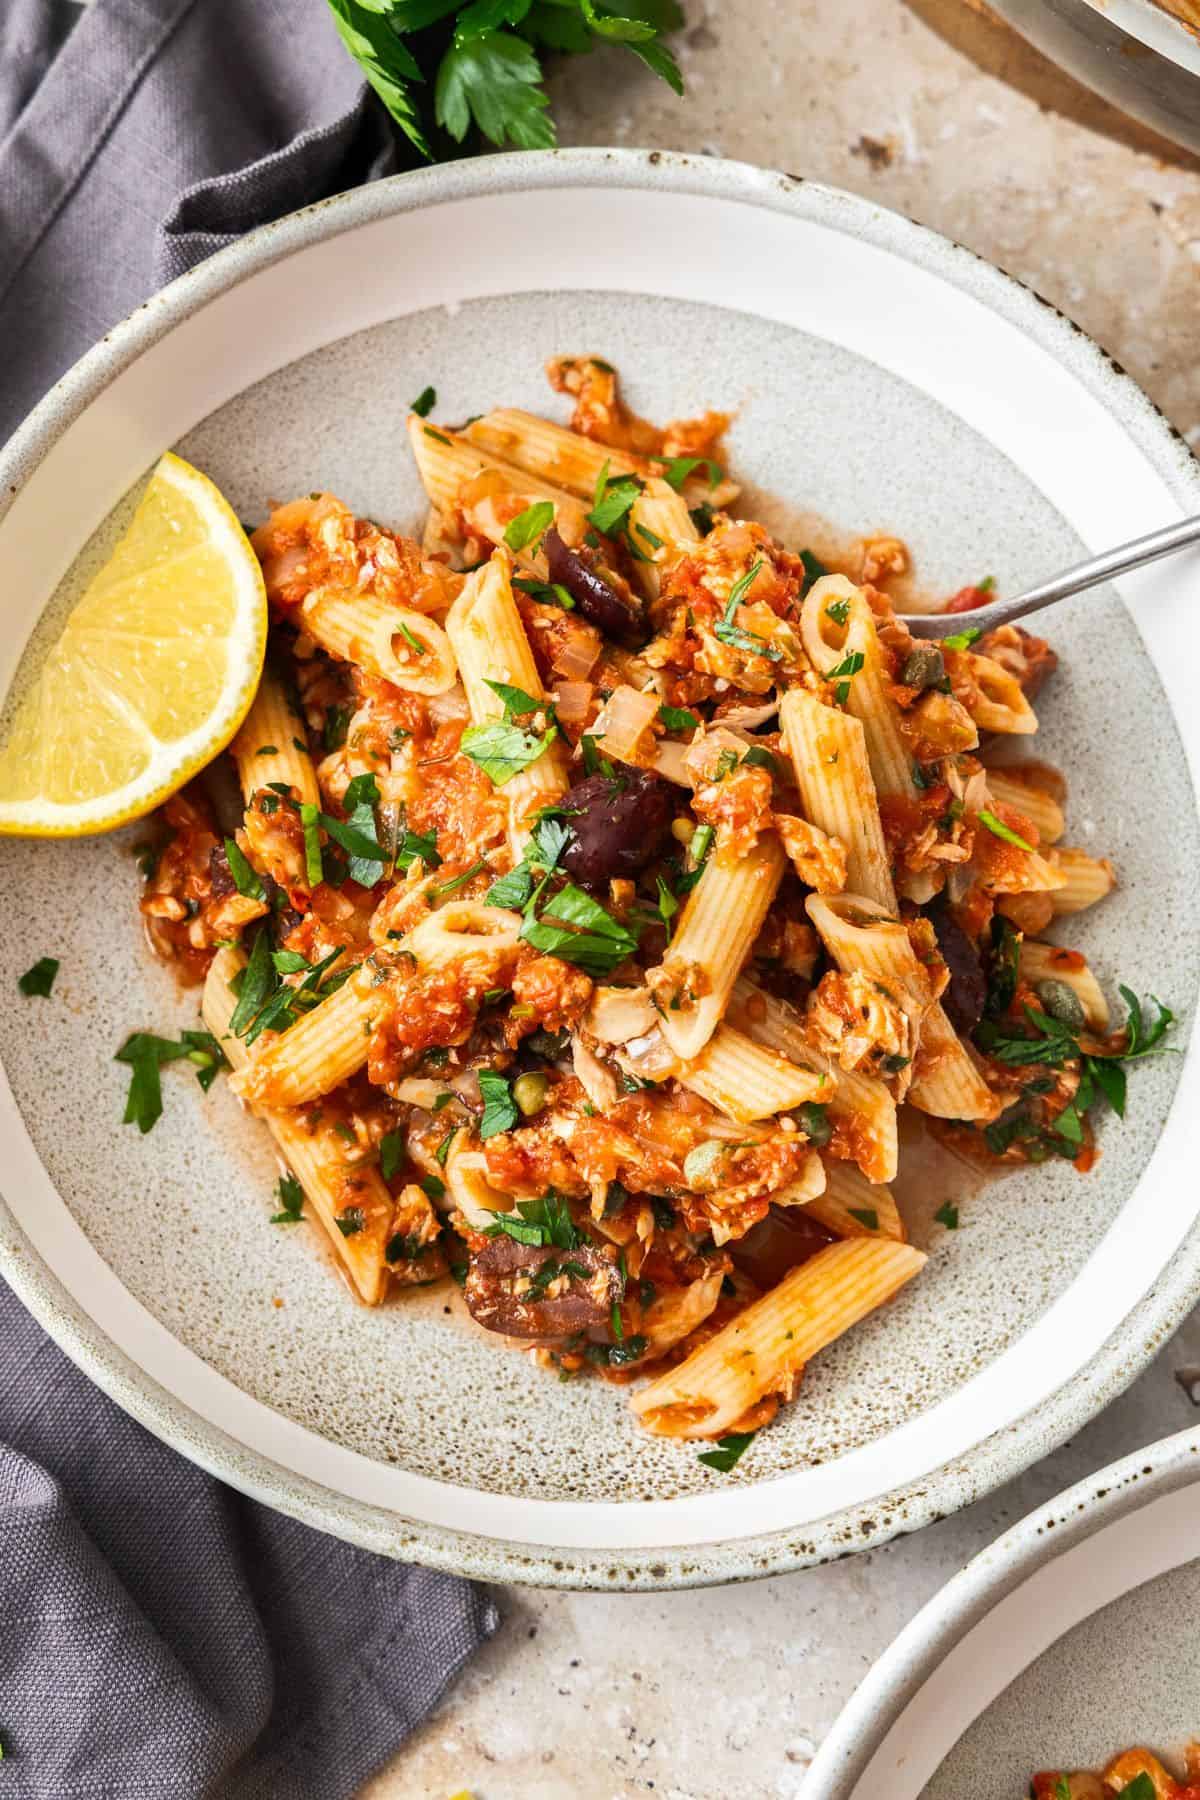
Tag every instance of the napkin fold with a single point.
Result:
(162, 1637)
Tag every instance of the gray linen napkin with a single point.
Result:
(162, 1638)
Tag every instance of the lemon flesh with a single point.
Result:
(155, 670)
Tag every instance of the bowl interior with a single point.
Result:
(409, 1408)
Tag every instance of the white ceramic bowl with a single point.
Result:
(883, 378)
(1070, 1638)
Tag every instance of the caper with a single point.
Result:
(683, 830)
(1062, 1003)
(701, 1164)
(923, 667)
(529, 1092)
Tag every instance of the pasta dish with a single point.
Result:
(1134, 1775)
(604, 877)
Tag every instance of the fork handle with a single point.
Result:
(1083, 575)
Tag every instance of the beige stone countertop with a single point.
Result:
(937, 110)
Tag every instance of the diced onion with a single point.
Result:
(622, 729)
(578, 650)
(573, 700)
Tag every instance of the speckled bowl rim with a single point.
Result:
(1042, 1537)
(956, 1483)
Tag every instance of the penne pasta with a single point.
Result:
(1084, 880)
(271, 744)
(465, 484)
(828, 753)
(764, 1349)
(852, 1206)
(574, 462)
(719, 923)
(320, 1051)
(853, 644)
(336, 1187)
(397, 643)
(746, 1080)
(1040, 808)
(1001, 704)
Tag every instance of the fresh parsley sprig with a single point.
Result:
(481, 62)
(144, 1054)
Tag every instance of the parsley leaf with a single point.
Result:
(613, 501)
(847, 669)
(838, 611)
(1002, 964)
(866, 1215)
(549, 839)
(947, 1215)
(679, 468)
(145, 1054)
(500, 1111)
(40, 979)
(314, 867)
(814, 568)
(729, 1450)
(494, 79)
(291, 1201)
(502, 749)
(678, 718)
(424, 403)
(546, 592)
(962, 640)
(999, 829)
(391, 1153)
(245, 878)
(530, 526)
(577, 929)
(728, 633)
(544, 1221)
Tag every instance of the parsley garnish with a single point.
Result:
(612, 501)
(615, 1356)
(866, 1215)
(1002, 963)
(838, 611)
(678, 718)
(145, 1055)
(391, 1153)
(291, 1200)
(1140, 1788)
(40, 979)
(539, 1222)
(548, 593)
(677, 471)
(333, 733)
(313, 865)
(424, 403)
(504, 748)
(245, 878)
(729, 1450)
(549, 839)
(500, 1112)
(529, 527)
(962, 640)
(847, 669)
(947, 1215)
(733, 635)
(999, 829)
(814, 568)
(350, 1220)
(814, 1122)
(577, 929)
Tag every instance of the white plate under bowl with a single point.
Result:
(1069, 1639)
(881, 378)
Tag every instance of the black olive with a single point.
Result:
(599, 603)
(964, 997)
(619, 823)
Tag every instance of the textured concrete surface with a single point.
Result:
(937, 110)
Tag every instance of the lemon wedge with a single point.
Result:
(154, 672)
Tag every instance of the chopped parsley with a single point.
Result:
(838, 611)
(549, 839)
(500, 1111)
(678, 718)
(401, 1248)
(813, 1119)
(265, 1003)
(947, 1215)
(38, 981)
(424, 403)
(450, 887)
(759, 757)
(504, 748)
(733, 635)
(245, 878)
(291, 1201)
(1002, 963)
(529, 527)
(391, 1153)
(866, 1215)
(145, 1054)
(577, 929)
(548, 593)
(677, 471)
(729, 1451)
(612, 501)
(309, 820)
(814, 569)
(350, 1221)
(544, 1221)
(616, 1356)
(843, 674)
(999, 829)
(962, 640)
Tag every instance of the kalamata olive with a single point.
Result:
(619, 823)
(965, 996)
(599, 603)
(923, 667)
(507, 1283)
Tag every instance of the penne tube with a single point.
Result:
(487, 495)
(1048, 962)
(1085, 880)
(319, 1051)
(489, 640)
(462, 931)
(746, 1080)
(398, 644)
(271, 744)
(467, 1183)
(316, 1156)
(763, 1350)
(860, 936)
(828, 751)
(1002, 705)
(717, 928)
(860, 1105)
(575, 462)
(829, 641)
(852, 1206)
(660, 529)
(1040, 808)
(806, 1187)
